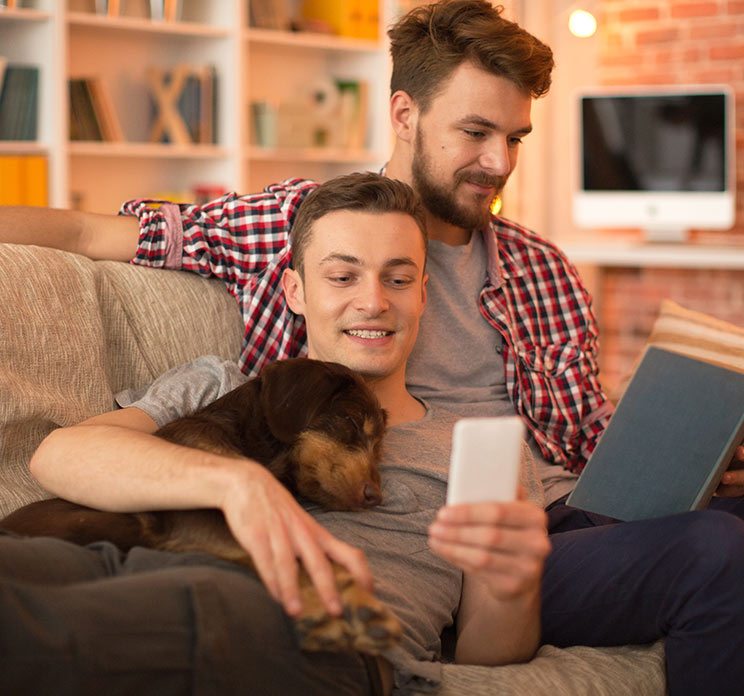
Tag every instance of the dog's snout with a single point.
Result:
(372, 494)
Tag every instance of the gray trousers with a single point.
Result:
(84, 620)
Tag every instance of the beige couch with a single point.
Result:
(73, 332)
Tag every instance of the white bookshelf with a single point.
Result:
(66, 38)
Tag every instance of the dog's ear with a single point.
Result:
(293, 391)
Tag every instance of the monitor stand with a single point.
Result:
(673, 235)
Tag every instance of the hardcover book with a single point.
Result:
(669, 441)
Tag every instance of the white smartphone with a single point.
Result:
(486, 454)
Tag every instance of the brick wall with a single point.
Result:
(670, 42)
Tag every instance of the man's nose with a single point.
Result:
(496, 158)
(372, 298)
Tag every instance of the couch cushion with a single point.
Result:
(155, 320)
(52, 361)
(619, 671)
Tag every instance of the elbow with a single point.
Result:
(46, 454)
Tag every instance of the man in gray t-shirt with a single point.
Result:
(358, 279)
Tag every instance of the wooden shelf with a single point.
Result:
(147, 150)
(327, 42)
(315, 154)
(138, 24)
(22, 147)
(21, 14)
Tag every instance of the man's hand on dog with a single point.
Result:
(732, 482)
(279, 534)
(503, 545)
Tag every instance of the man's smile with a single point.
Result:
(368, 333)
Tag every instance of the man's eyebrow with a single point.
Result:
(336, 257)
(475, 120)
(401, 261)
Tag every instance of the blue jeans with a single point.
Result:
(680, 577)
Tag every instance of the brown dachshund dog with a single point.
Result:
(318, 428)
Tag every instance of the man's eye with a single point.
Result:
(514, 141)
(477, 135)
(340, 279)
(400, 282)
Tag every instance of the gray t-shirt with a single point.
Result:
(457, 363)
(421, 588)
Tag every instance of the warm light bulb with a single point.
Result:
(582, 23)
(496, 205)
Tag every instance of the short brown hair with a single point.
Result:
(360, 191)
(431, 41)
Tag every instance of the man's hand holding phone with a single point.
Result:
(488, 529)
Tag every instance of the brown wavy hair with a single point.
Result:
(360, 191)
(429, 42)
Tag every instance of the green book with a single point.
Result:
(669, 441)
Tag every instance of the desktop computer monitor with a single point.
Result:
(656, 158)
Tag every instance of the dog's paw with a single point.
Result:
(366, 624)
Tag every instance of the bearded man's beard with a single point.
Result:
(441, 200)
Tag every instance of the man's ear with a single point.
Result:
(403, 114)
(294, 291)
(424, 290)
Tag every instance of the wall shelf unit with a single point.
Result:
(68, 39)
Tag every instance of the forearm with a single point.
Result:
(115, 462)
(96, 236)
(500, 632)
(114, 468)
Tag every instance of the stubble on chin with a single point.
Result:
(442, 202)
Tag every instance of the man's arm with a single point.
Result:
(114, 462)
(96, 236)
(501, 547)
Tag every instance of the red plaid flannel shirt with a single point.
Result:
(533, 297)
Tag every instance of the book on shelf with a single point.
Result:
(19, 101)
(109, 8)
(166, 10)
(103, 107)
(271, 14)
(24, 180)
(184, 104)
(667, 444)
(92, 112)
(84, 124)
(352, 18)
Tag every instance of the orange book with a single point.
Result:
(343, 16)
(35, 180)
(11, 188)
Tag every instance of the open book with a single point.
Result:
(670, 439)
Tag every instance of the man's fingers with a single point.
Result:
(263, 562)
(320, 570)
(506, 574)
(353, 560)
(517, 514)
(285, 571)
(733, 491)
(509, 540)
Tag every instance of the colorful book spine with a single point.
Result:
(24, 180)
(352, 18)
(19, 102)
